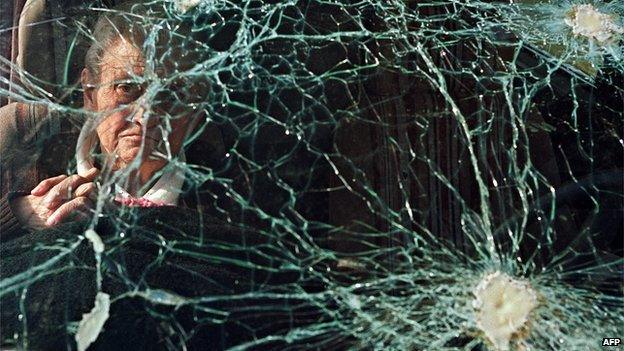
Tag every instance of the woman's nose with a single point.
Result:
(143, 118)
(138, 115)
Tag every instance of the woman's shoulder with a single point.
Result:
(23, 123)
(35, 143)
(9, 130)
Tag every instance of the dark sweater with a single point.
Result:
(9, 225)
(167, 248)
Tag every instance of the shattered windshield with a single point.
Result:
(312, 175)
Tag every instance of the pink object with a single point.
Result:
(138, 202)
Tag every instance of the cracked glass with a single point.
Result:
(322, 175)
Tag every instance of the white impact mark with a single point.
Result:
(161, 297)
(185, 5)
(94, 238)
(503, 305)
(91, 324)
(586, 21)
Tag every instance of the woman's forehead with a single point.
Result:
(122, 60)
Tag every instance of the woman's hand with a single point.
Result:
(55, 199)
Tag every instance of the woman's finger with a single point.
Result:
(46, 184)
(60, 193)
(77, 205)
(63, 190)
(84, 189)
(91, 174)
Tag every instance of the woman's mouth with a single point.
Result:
(132, 137)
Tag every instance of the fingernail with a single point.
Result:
(35, 189)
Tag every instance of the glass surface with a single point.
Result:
(389, 175)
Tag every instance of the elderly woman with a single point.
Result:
(123, 156)
(128, 131)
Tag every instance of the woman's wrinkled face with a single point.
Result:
(128, 124)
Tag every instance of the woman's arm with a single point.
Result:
(48, 204)
(10, 226)
(55, 198)
(8, 128)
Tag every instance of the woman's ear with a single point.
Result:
(88, 89)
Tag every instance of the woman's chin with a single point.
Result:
(127, 156)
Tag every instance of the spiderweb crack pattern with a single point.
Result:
(372, 162)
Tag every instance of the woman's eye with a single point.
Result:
(129, 90)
